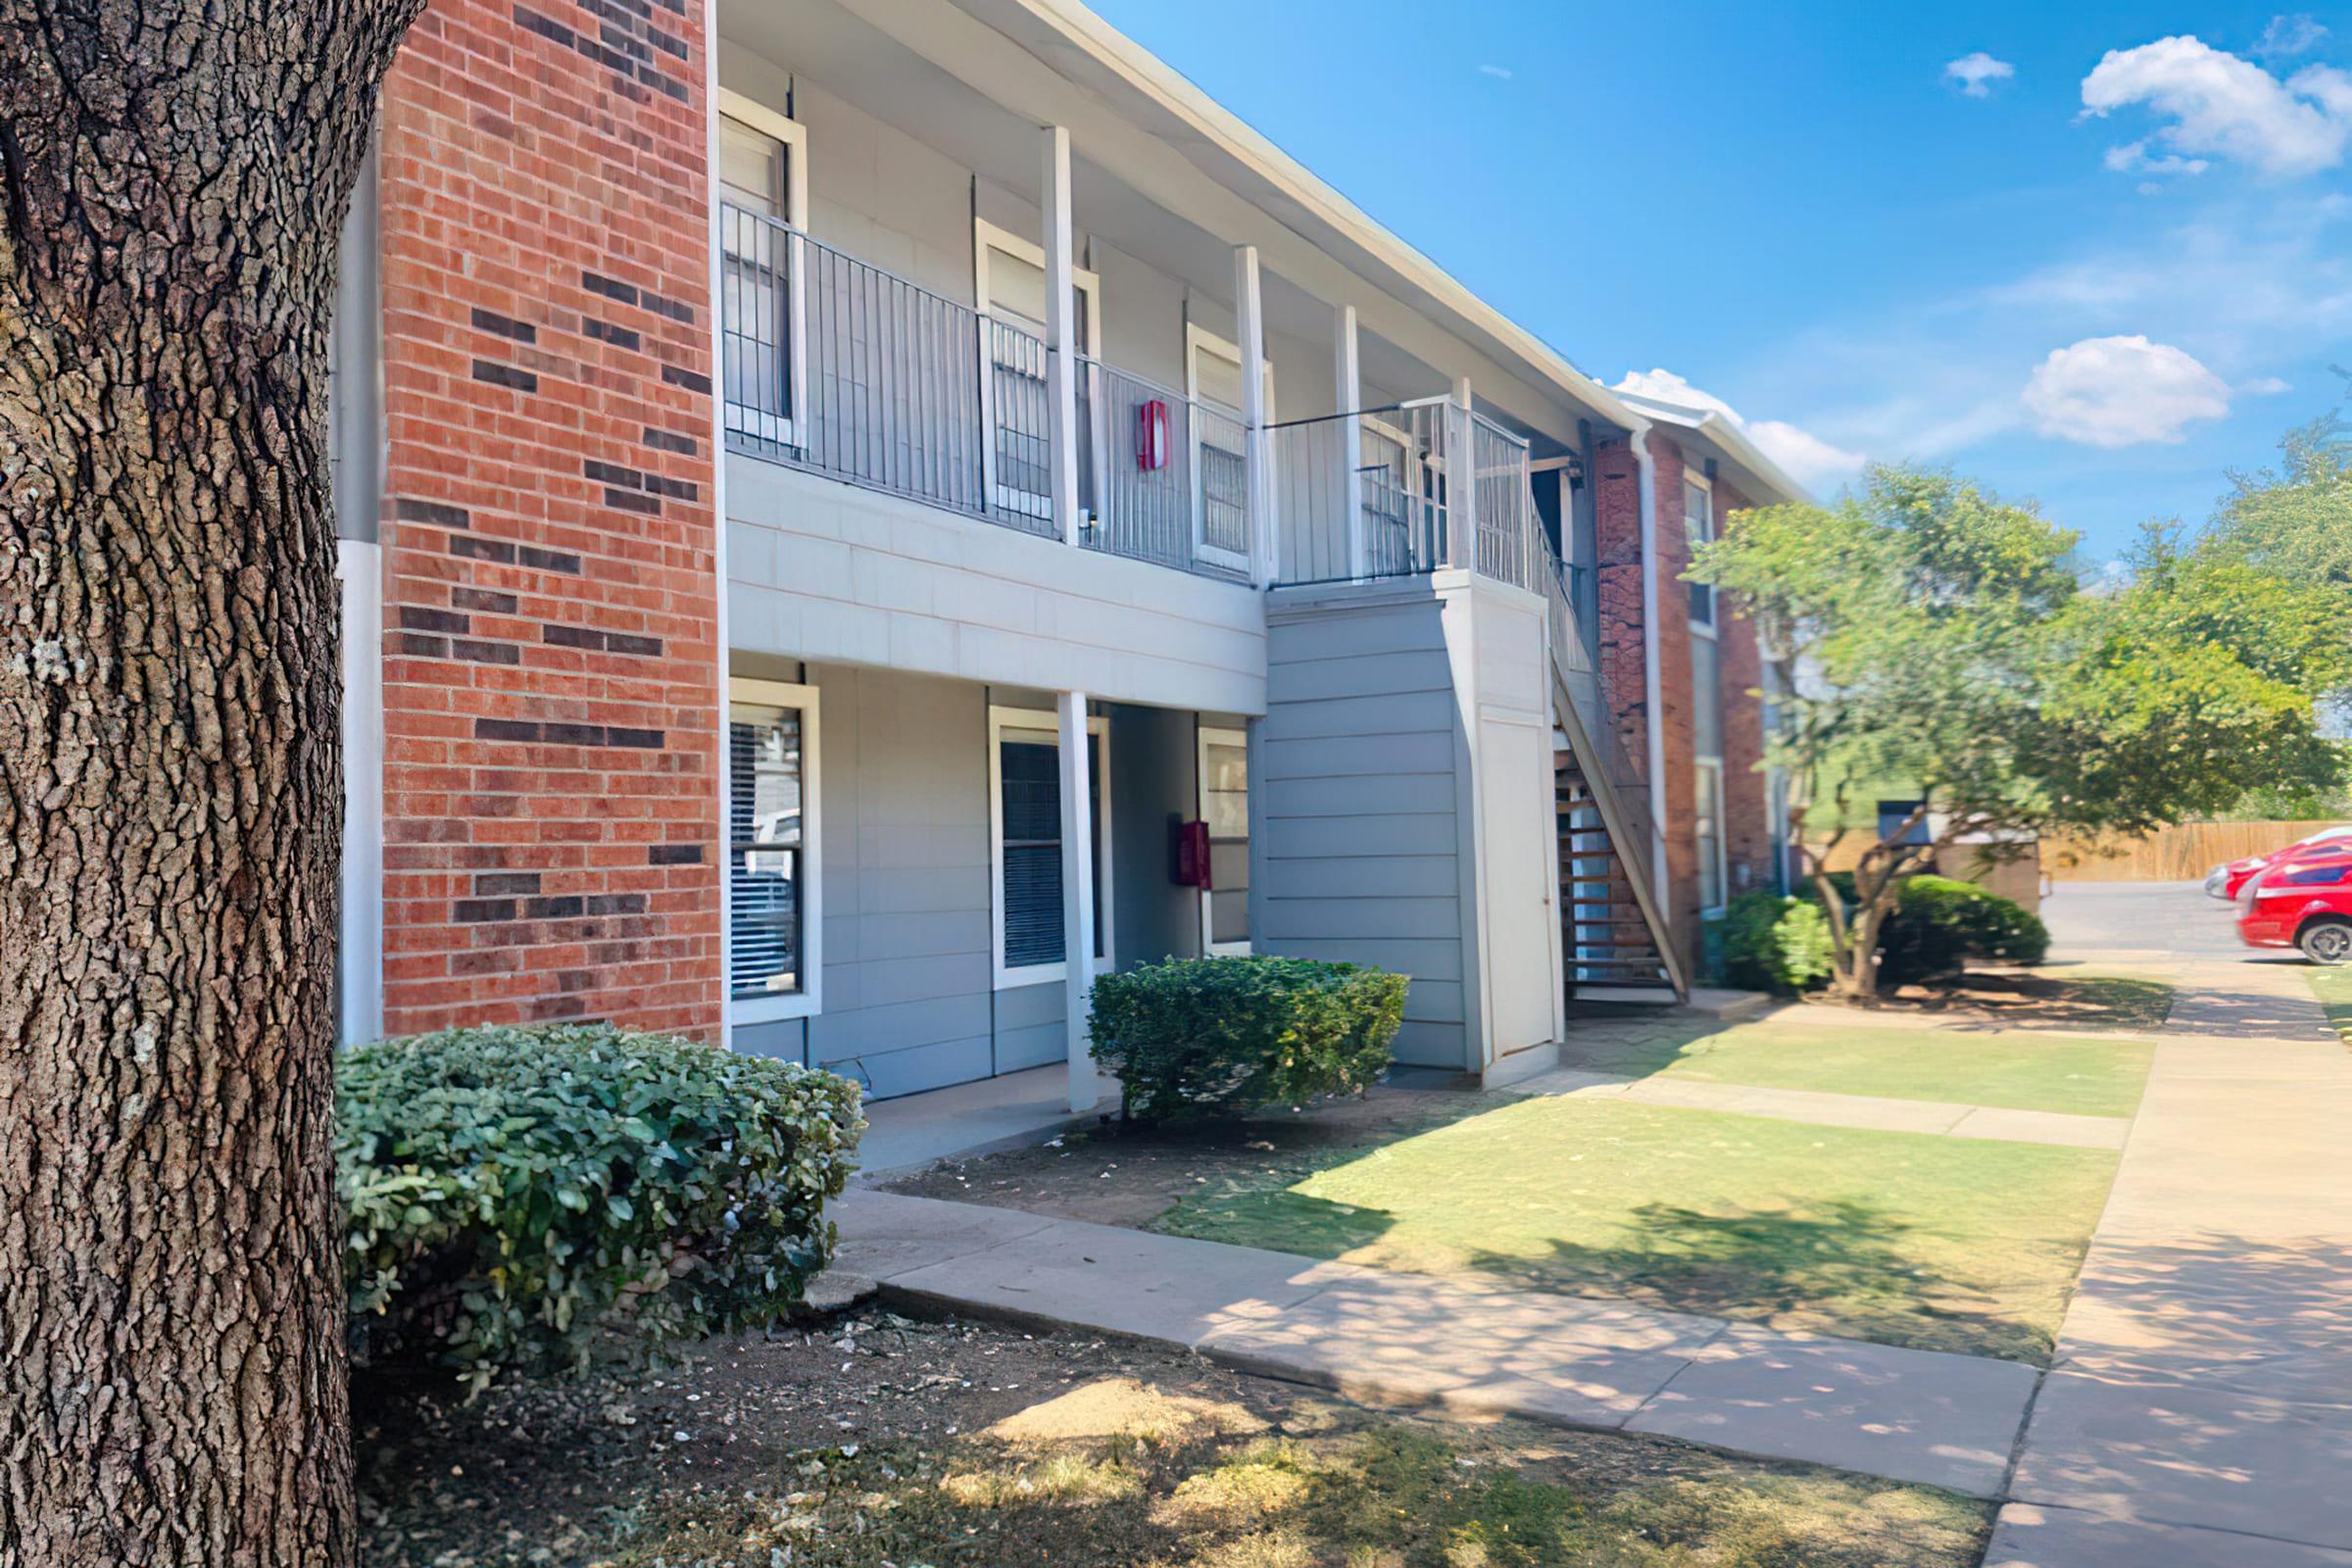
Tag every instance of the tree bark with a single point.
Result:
(173, 178)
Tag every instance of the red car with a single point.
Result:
(2301, 901)
(2228, 880)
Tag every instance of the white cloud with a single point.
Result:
(2265, 386)
(2224, 107)
(1803, 456)
(2132, 158)
(2290, 35)
(1499, 72)
(1976, 72)
(2121, 392)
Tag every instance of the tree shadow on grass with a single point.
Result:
(1841, 1267)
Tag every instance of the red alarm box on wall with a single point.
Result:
(1151, 435)
(1188, 855)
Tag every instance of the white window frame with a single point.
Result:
(1200, 340)
(1215, 735)
(988, 236)
(1041, 725)
(808, 1001)
(794, 137)
(1701, 767)
(1706, 487)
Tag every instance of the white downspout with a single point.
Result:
(1653, 699)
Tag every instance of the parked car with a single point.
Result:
(2228, 880)
(2301, 901)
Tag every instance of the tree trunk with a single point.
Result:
(171, 183)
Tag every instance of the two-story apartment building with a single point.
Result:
(861, 515)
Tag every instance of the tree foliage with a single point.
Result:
(1930, 632)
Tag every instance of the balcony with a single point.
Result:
(837, 366)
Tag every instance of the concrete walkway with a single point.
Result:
(1389, 1338)
(1827, 1108)
(2200, 1409)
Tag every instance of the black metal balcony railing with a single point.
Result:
(838, 367)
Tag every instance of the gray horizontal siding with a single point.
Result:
(1358, 760)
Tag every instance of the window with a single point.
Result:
(1026, 810)
(1714, 871)
(772, 849)
(2317, 876)
(1892, 815)
(1212, 379)
(1010, 286)
(762, 185)
(1698, 529)
(1225, 808)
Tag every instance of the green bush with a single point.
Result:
(1775, 944)
(1940, 922)
(1199, 1037)
(513, 1192)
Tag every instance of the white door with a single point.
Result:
(1522, 859)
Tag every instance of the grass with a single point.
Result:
(1944, 1243)
(2087, 1077)
(1365, 1493)
(2334, 990)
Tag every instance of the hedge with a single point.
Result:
(517, 1195)
(1777, 944)
(1200, 1037)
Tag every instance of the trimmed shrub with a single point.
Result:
(1202, 1037)
(1940, 922)
(1775, 944)
(518, 1194)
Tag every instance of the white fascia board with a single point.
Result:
(1733, 445)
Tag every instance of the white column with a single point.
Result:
(1077, 897)
(360, 950)
(1348, 391)
(1462, 470)
(1061, 332)
(1250, 317)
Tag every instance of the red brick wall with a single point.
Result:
(550, 619)
(1748, 822)
(1624, 679)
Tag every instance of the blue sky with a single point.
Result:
(1837, 221)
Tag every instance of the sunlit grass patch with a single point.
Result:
(1945, 1243)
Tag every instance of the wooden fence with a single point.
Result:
(2183, 854)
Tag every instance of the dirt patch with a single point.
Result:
(2022, 999)
(1124, 1173)
(876, 1440)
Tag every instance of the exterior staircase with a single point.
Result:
(1615, 942)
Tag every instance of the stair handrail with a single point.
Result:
(1620, 792)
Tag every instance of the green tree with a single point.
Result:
(2295, 520)
(1929, 632)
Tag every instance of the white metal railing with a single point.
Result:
(1401, 489)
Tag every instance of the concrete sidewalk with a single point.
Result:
(1389, 1338)
(1828, 1109)
(2200, 1408)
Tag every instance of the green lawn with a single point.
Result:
(2334, 988)
(1945, 1243)
(2021, 1072)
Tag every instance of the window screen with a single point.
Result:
(1709, 833)
(765, 831)
(1029, 771)
(1698, 528)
